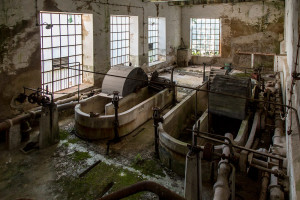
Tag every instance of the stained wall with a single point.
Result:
(20, 57)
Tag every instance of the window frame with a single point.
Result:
(205, 37)
(119, 47)
(64, 76)
(153, 39)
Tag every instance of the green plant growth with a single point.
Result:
(147, 166)
(63, 134)
(101, 179)
(247, 75)
(80, 156)
(73, 140)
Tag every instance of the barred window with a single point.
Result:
(61, 50)
(205, 36)
(153, 39)
(119, 40)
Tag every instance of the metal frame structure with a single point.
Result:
(61, 45)
(119, 40)
(205, 36)
(153, 32)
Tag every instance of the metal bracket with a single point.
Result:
(296, 76)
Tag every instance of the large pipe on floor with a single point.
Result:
(149, 186)
(276, 192)
(221, 187)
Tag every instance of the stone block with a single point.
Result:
(13, 137)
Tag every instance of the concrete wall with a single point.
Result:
(20, 58)
(292, 26)
(251, 26)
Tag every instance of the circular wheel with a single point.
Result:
(32, 98)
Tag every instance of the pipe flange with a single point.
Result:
(274, 186)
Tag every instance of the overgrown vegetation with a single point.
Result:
(80, 156)
(148, 167)
(63, 134)
(101, 179)
(247, 75)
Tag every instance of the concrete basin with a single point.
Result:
(134, 110)
(173, 151)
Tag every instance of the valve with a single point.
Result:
(21, 98)
(32, 98)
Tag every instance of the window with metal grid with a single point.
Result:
(153, 39)
(205, 37)
(61, 50)
(119, 40)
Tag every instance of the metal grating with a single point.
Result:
(119, 40)
(205, 36)
(61, 46)
(153, 39)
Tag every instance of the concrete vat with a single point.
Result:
(95, 116)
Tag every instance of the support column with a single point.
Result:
(49, 130)
(13, 137)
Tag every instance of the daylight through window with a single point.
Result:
(205, 37)
(119, 40)
(61, 50)
(153, 39)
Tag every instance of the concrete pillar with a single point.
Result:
(13, 137)
(193, 182)
(252, 60)
(49, 131)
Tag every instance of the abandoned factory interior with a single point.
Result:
(150, 99)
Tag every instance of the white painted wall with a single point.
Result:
(292, 13)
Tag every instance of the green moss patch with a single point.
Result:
(63, 134)
(148, 167)
(73, 140)
(80, 156)
(242, 75)
(101, 179)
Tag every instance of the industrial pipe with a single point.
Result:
(264, 186)
(244, 154)
(275, 188)
(149, 186)
(221, 187)
(62, 105)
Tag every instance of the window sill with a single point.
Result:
(71, 91)
(206, 56)
(155, 63)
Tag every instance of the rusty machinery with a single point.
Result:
(38, 96)
(263, 161)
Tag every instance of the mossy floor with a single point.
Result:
(54, 172)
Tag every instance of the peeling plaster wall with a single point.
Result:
(292, 28)
(249, 26)
(20, 57)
